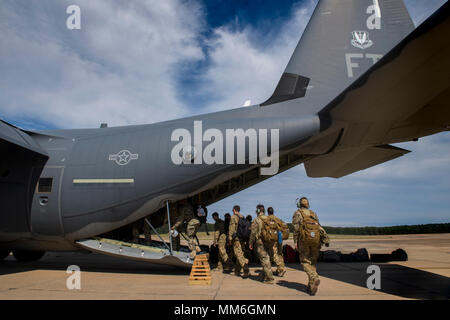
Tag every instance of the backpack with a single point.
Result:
(289, 254)
(269, 231)
(309, 230)
(243, 229)
(214, 254)
(330, 256)
(204, 214)
(283, 228)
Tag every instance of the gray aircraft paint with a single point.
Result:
(93, 193)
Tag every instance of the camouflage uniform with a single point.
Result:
(141, 227)
(228, 246)
(261, 249)
(324, 238)
(177, 223)
(186, 213)
(220, 239)
(276, 254)
(238, 246)
(191, 231)
(308, 254)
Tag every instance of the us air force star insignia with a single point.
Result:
(361, 39)
(123, 157)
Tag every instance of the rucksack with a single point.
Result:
(360, 255)
(270, 228)
(204, 213)
(243, 229)
(283, 228)
(309, 230)
(399, 255)
(330, 256)
(289, 254)
(214, 254)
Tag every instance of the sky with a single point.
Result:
(139, 62)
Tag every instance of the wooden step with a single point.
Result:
(200, 272)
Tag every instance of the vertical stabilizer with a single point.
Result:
(343, 39)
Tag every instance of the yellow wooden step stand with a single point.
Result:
(200, 272)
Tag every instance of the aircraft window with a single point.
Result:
(45, 185)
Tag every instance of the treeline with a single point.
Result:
(415, 229)
(165, 229)
(372, 231)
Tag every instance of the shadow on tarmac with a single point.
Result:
(293, 285)
(395, 279)
(88, 262)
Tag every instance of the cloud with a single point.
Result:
(116, 69)
(124, 66)
(241, 69)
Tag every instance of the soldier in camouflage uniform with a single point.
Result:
(276, 251)
(261, 247)
(324, 238)
(220, 240)
(227, 220)
(185, 212)
(308, 254)
(238, 244)
(177, 224)
(140, 227)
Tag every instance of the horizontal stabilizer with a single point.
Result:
(342, 163)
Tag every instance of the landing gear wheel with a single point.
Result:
(27, 256)
(4, 254)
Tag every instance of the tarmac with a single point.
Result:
(426, 275)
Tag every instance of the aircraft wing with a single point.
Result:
(403, 97)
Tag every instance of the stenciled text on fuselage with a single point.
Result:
(241, 146)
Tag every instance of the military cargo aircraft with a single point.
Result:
(361, 78)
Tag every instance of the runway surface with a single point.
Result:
(426, 275)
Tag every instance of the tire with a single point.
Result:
(27, 256)
(4, 254)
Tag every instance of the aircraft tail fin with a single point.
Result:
(342, 40)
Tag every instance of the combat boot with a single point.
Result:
(281, 273)
(261, 276)
(228, 267)
(246, 273)
(314, 286)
